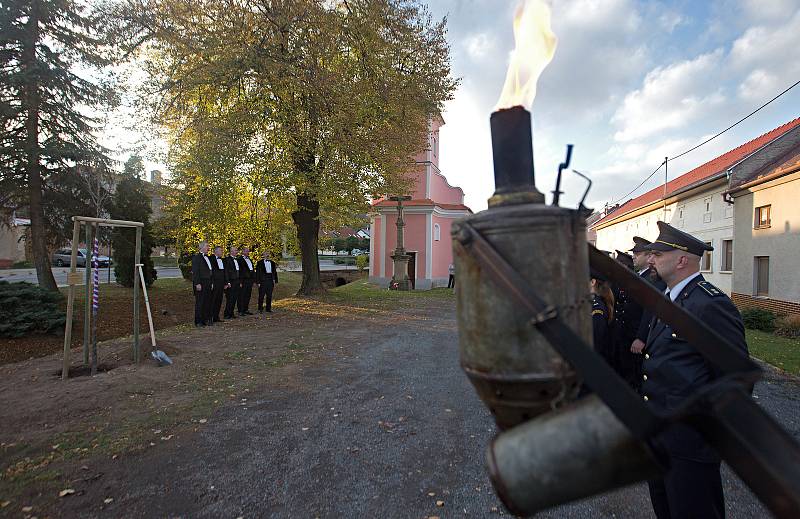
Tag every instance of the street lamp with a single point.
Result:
(400, 279)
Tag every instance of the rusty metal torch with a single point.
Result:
(563, 449)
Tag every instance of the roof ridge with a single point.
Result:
(733, 155)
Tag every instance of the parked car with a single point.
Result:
(61, 258)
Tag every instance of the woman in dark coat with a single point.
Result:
(602, 317)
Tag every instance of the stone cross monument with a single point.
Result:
(400, 277)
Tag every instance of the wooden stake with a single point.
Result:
(136, 261)
(76, 234)
(87, 302)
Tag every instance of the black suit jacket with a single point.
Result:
(200, 270)
(261, 272)
(231, 272)
(673, 370)
(646, 317)
(244, 271)
(217, 274)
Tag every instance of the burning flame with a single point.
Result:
(535, 45)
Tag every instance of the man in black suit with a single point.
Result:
(232, 275)
(219, 283)
(266, 279)
(201, 285)
(246, 275)
(673, 371)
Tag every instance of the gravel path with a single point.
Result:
(384, 429)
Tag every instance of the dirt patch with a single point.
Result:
(171, 300)
(52, 429)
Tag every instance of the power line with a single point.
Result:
(708, 140)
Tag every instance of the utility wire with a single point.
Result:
(708, 140)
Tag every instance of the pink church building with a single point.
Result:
(433, 207)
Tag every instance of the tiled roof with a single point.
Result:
(701, 173)
(421, 202)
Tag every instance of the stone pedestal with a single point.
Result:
(400, 277)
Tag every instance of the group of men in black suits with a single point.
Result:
(666, 369)
(233, 276)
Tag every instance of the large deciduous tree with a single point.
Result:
(45, 135)
(310, 105)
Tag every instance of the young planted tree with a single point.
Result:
(132, 203)
(45, 134)
(324, 102)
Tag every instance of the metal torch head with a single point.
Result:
(514, 369)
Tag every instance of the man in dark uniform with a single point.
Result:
(232, 275)
(246, 275)
(627, 317)
(673, 370)
(219, 283)
(641, 255)
(266, 279)
(201, 285)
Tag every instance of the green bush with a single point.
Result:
(185, 264)
(25, 308)
(362, 262)
(759, 319)
(788, 326)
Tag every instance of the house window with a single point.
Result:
(705, 264)
(435, 147)
(762, 275)
(437, 232)
(762, 218)
(727, 255)
(707, 213)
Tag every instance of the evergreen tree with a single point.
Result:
(132, 202)
(44, 133)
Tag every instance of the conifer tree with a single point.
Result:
(45, 134)
(132, 203)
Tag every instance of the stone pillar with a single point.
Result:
(400, 279)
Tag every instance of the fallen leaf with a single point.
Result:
(108, 500)
(431, 494)
(305, 428)
(165, 438)
(27, 509)
(66, 492)
(439, 503)
(115, 456)
(5, 504)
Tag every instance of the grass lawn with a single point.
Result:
(778, 351)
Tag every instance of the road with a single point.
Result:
(385, 424)
(60, 273)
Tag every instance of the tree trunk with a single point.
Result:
(41, 254)
(306, 218)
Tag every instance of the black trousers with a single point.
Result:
(216, 304)
(451, 281)
(231, 298)
(244, 296)
(690, 489)
(265, 293)
(202, 302)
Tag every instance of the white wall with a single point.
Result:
(688, 214)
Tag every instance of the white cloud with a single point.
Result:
(670, 20)
(670, 97)
(479, 46)
(757, 85)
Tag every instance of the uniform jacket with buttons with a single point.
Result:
(602, 329)
(673, 370)
(645, 318)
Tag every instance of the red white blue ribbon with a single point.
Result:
(95, 279)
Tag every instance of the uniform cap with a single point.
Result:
(624, 258)
(641, 245)
(670, 238)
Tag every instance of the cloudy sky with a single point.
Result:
(631, 82)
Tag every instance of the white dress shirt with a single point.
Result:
(268, 266)
(208, 261)
(219, 264)
(247, 260)
(235, 263)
